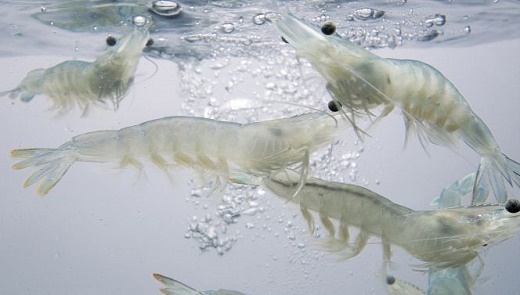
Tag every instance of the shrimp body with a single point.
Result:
(431, 105)
(84, 84)
(221, 148)
(442, 238)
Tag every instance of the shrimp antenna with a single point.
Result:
(303, 106)
(156, 69)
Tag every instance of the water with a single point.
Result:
(105, 232)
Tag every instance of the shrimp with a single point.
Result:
(84, 84)
(174, 287)
(432, 106)
(441, 239)
(457, 280)
(225, 149)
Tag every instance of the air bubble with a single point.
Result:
(368, 14)
(227, 28)
(428, 35)
(437, 19)
(259, 19)
(139, 20)
(166, 8)
(467, 29)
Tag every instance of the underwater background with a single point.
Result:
(105, 231)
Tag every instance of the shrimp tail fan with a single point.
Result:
(492, 172)
(174, 287)
(52, 165)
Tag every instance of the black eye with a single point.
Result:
(334, 106)
(284, 40)
(149, 42)
(111, 41)
(512, 206)
(390, 280)
(328, 28)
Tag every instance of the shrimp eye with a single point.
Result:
(328, 28)
(390, 280)
(149, 42)
(512, 206)
(111, 41)
(284, 40)
(334, 106)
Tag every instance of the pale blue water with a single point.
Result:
(105, 232)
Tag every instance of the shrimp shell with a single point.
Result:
(85, 84)
(224, 149)
(441, 239)
(431, 105)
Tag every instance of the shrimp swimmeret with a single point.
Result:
(442, 238)
(85, 84)
(362, 81)
(223, 148)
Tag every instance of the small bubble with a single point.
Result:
(368, 14)
(467, 29)
(139, 20)
(259, 19)
(166, 8)
(428, 35)
(43, 9)
(437, 19)
(227, 28)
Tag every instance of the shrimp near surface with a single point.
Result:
(84, 84)
(223, 148)
(431, 105)
(442, 238)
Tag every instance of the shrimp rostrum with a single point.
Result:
(441, 238)
(225, 149)
(84, 84)
(431, 105)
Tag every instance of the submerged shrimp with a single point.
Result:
(431, 105)
(223, 148)
(174, 287)
(85, 84)
(442, 238)
(456, 280)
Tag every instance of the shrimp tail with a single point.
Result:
(53, 164)
(492, 172)
(21, 92)
(174, 287)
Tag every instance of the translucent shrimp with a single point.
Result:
(441, 239)
(221, 148)
(431, 105)
(174, 287)
(456, 280)
(84, 84)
